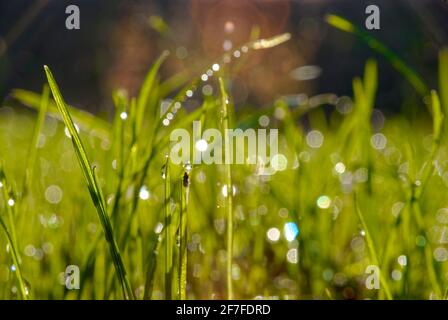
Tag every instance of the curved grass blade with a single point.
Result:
(85, 120)
(410, 74)
(92, 184)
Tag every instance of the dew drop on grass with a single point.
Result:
(67, 133)
(189, 93)
(215, 67)
(292, 255)
(263, 121)
(204, 77)
(53, 194)
(1, 185)
(290, 231)
(396, 275)
(323, 202)
(188, 167)
(279, 162)
(315, 139)
(402, 260)
(441, 254)
(339, 167)
(273, 234)
(201, 145)
(144, 193)
(378, 141)
(11, 202)
(123, 115)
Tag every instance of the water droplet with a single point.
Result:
(53, 194)
(402, 260)
(273, 234)
(291, 231)
(144, 193)
(292, 255)
(339, 167)
(11, 202)
(123, 115)
(227, 45)
(315, 139)
(323, 202)
(201, 145)
(215, 67)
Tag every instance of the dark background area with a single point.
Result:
(116, 44)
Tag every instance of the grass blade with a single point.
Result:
(228, 184)
(185, 184)
(11, 234)
(410, 74)
(32, 152)
(92, 184)
(169, 233)
(371, 247)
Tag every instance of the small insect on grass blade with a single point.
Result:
(92, 184)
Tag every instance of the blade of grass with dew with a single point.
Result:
(94, 189)
(410, 74)
(371, 247)
(228, 183)
(418, 189)
(183, 236)
(32, 151)
(10, 235)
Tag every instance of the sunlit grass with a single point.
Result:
(221, 231)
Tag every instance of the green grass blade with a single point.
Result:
(32, 152)
(183, 236)
(396, 61)
(169, 234)
(11, 234)
(371, 248)
(85, 120)
(228, 183)
(94, 189)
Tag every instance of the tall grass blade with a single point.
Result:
(94, 189)
(228, 183)
(371, 248)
